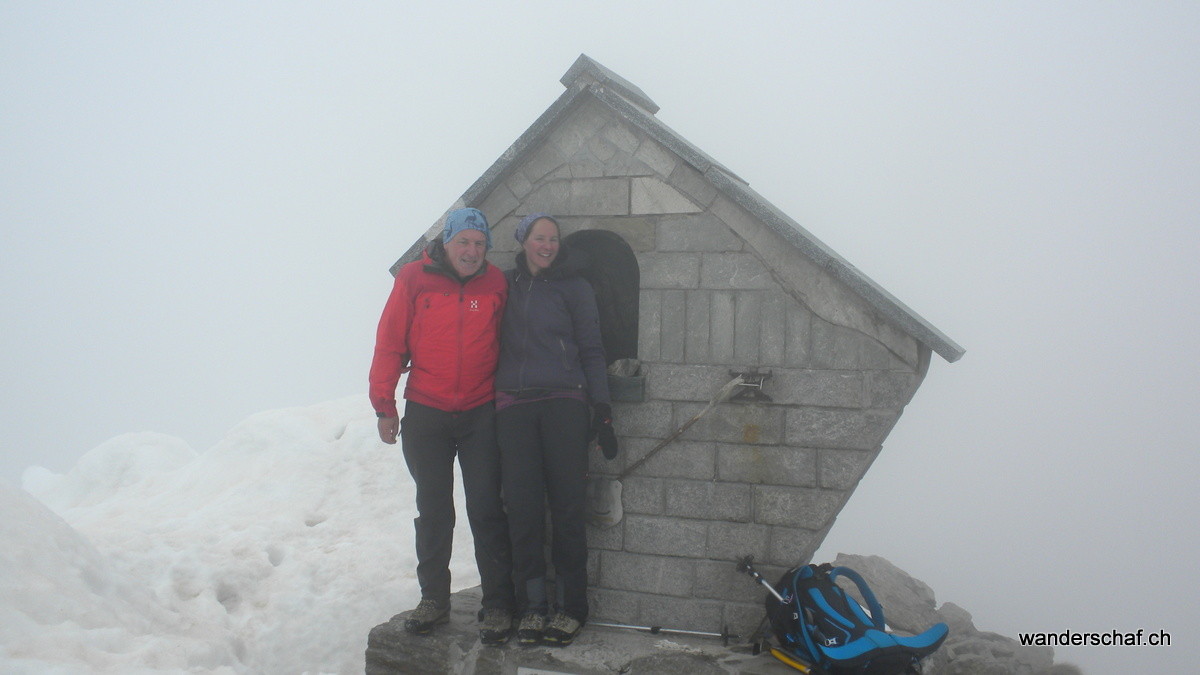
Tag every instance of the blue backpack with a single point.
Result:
(817, 623)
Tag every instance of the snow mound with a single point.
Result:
(275, 551)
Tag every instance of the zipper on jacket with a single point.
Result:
(562, 355)
(524, 336)
(462, 321)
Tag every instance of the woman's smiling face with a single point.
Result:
(541, 245)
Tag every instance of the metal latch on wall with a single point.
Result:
(750, 388)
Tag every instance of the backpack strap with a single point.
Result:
(805, 573)
(873, 606)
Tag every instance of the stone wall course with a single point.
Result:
(578, 128)
(743, 618)
(747, 328)
(657, 157)
(504, 245)
(773, 333)
(815, 287)
(650, 311)
(798, 348)
(740, 271)
(791, 546)
(708, 499)
(650, 195)
(788, 506)
(637, 231)
(660, 575)
(617, 606)
(891, 390)
(498, 204)
(732, 541)
(670, 382)
(601, 148)
(842, 469)
(767, 465)
(580, 197)
(682, 614)
(674, 326)
(721, 580)
(827, 388)
(622, 136)
(669, 270)
(583, 165)
(648, 419)
(733, 422)
(678, 459)
(838, 428)
(518, 184)
(722, 313)
(541, 161)
(665, 536)
(699, 232)
(605, 538)
(692, 183)
(641, 494)
(622, 164)
(697, 341)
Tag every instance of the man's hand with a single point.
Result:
(388, 428)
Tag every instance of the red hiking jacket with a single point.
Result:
(446, 329)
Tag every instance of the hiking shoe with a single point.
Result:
(530, 631)
(497, 626)
(561, 630)
(429, 613)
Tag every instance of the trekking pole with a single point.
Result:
(725, 635)
(720, 396)
(747, 565)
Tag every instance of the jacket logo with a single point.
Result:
(473, 306)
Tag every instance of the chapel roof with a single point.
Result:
(587, 78)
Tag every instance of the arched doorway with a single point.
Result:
(608, 262)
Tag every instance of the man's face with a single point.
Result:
(465, 252)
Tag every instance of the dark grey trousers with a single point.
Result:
(431, 439)
(543, 449)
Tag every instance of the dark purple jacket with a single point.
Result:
(550, 333)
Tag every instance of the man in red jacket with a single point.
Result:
(440, 325)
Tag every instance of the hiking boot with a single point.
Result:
(530, 631)
(561, 630)
(429, 613)
(496, 626)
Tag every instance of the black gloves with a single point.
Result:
(603, 428)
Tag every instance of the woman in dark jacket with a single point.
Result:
(551, 370)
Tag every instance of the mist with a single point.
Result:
(201, 202)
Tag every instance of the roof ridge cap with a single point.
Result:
(587, 70)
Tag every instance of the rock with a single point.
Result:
(958, 619)
(986, 653)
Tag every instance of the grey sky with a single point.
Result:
(200, 202)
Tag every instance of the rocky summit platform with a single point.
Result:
(455, 648)
(910, 604)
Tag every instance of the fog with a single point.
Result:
(200, 203)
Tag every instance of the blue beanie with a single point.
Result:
(522, 230)
(466, 219)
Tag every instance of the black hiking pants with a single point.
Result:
(431, 439)
(543, 449)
